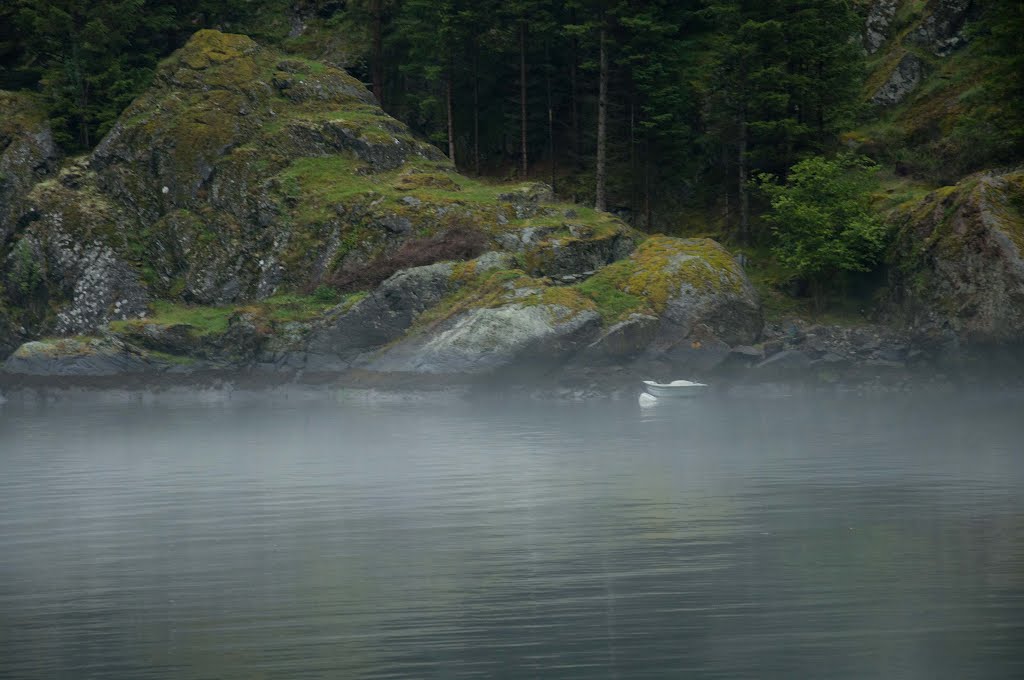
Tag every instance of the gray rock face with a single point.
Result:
(105, 288)
(960, 262)
(526, 201)
(878, 24)
(524, 239)
(903, 80)
(86, 280)
(482, 341)
(383, 315)
(626, 338)
(27, 155)
(786, 360)
(696, 314)
(941, 30)
(573, 256)
(78, 357)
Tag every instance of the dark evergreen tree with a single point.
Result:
(93, 58)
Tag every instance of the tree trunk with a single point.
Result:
(648, 209)
(476, 109)
(451, 119)
(522, 99)
(743, 192)
(577, 138)
(378, 51)
(600, 202)
(551, 118)
(633, 198)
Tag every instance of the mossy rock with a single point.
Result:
(28, 154)
(688, 283)
(958, 260)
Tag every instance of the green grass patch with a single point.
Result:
(203, 320)
(352, 299)
(290, 308)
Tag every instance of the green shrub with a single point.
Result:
(822, 222)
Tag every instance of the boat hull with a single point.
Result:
(666, 392)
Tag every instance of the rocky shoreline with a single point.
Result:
(258, 220)
(795, 355)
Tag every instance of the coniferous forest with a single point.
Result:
(653, 109)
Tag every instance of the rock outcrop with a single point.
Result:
(693, 286)
(244, 180)
(27, 155)
(959, 261)
(482, 341)
(78, 357)
(941, 30)
(670, 295)
(878, 27)
(905, 77)
(384, 315)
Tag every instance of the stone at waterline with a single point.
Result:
(786, 360)
(625, 338)
(88, 357)
(384, 314)
(482, 341)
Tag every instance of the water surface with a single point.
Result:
(307, 538)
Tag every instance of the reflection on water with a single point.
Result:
(717, 538)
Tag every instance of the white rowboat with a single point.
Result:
(676, 388)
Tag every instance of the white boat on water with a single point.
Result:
(676, 388)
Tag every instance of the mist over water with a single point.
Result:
(716, 538)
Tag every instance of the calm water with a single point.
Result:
(723, 538)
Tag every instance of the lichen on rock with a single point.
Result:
(959, 261)
(687, 283)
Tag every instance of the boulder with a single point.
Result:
(904, 79)
(626, 337)
(958, 262)
(580, 251)
(482, 341)
(526, 201)
(694, 286)
(384, 314)
(85, 357)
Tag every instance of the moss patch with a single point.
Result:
(22, 112)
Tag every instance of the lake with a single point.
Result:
(299, 535)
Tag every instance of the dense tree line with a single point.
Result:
(624, 103)
(633, 105)
(631, 102)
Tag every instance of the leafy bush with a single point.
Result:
(326, 295)
(822, 221)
